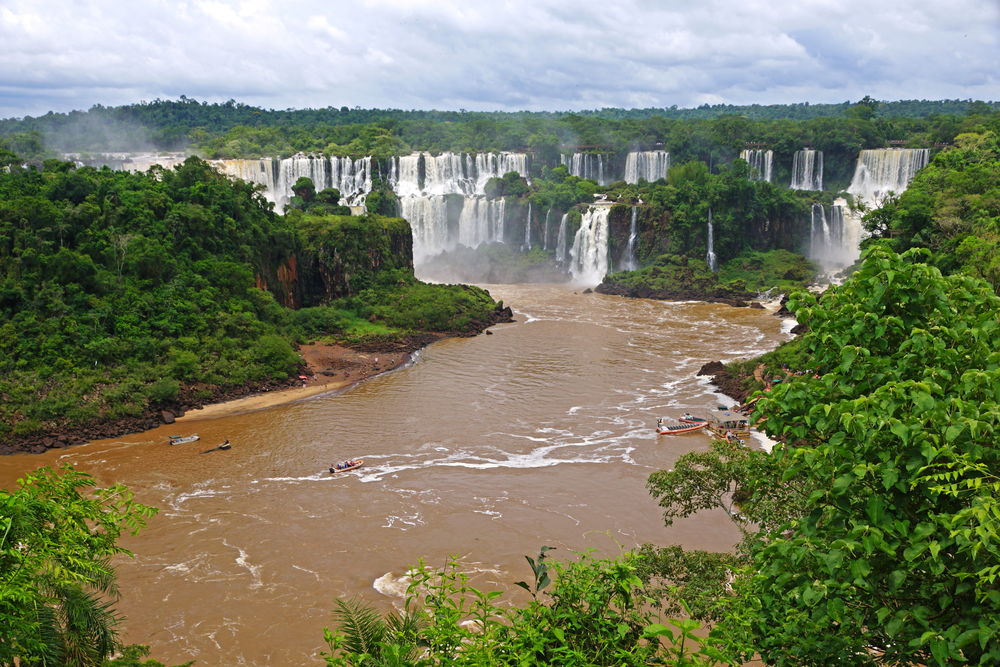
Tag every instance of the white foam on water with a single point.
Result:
(391, 585)
(243, 561)
(308, 478)
(404, 522)
(312, 572)
(765, 442)
(182, 498)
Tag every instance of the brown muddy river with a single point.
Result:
(485, 448)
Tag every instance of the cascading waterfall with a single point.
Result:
(834, 237)
(807, 170)
(586, 165)
(630, 263)
(352, 177)
(836, 234)
(561, 239)
(646, 165)
(589, 255)
(710, 255)
(481, 221)
(428, 218)
(423, 183)
(527, 230)
(545, 232)
(760, 162)
(882, 171)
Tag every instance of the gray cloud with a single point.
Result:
(519, 54)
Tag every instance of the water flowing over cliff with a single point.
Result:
(710, 258)
(443, 198)
(807, 170)
(629, 262)
(882, 171)
(761, 163)
(646, 165)
(589, 254)
(353, 177)
(587, 165)
(561, 239)
(834, 237)
(451, 173)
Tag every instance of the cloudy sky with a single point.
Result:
(493, 54)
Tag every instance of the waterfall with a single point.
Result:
(834, 238)
(424, 182)
(710, 255)
(807, 170)
(589, 255)
(760, 162)
(428, 218)
(561, 240)
(883, 171)
(545, 231)
(262, 172)
(527, 230)
(481, 221)
(351, 176)
(630, 263)
(586, 165)
(646, 166)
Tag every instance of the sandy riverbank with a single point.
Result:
(329, 368)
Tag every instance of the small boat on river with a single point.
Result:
(664, 427)
(181, 439)
(688, 418)
(223, 446)
(351, 465)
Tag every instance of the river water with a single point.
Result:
(485, 448)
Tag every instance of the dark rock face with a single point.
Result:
(712, 367)
(167, 416)
(783, 308)
(727, 383)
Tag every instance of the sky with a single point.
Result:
(60, 55)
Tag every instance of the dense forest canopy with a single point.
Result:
(234, 129)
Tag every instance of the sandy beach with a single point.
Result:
(329, 368)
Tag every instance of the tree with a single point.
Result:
(864, 109)
(305, 189)
(887, 563)
(56, 545)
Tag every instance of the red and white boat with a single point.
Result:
(667, 427)
(688, 418)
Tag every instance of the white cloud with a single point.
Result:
(541, 54)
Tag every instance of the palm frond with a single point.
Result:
(363, 627)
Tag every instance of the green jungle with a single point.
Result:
(871, 533)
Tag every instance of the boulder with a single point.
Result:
(712, 368)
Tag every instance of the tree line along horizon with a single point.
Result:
(870, 534)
